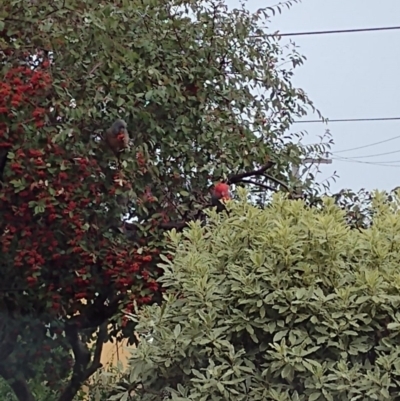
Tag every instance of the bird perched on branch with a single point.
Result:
(117, 137)
(220, 193)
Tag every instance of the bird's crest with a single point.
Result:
(222, 191)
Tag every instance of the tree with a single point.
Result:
(184, 76)
(359, 207)
(285, 303)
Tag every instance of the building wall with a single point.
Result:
(114, 352)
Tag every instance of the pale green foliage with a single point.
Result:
(101, 383)
(285, 303)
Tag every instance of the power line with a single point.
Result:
(376, 161)
(356, 30)
(374, 155)
(367, 146)
(348, 160)
(344, 120)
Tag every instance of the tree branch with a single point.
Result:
(233, 179)
(277, 181)
(259, 184)
(82, 371)
(8, 342)
(81, 352)
(101, 337)
(236, 178)
(18, 384)
(97, 313)
(178, 225)
(3, 162)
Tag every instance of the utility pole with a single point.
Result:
(307, 160)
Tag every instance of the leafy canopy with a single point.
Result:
(183, 76)
(207, 95)
(286, 303)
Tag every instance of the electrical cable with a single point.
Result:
(355, 30)
(377, 161)
(367, 146)
(367, 156)
(349, 160)
(348, 120)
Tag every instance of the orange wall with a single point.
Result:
(114, 352)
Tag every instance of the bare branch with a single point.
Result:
(259, 184)
(234, 179)
(81, 370)
(277, 181)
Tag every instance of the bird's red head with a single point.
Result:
(221, 191)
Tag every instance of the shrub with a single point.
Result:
(286, 303)
(101, 384)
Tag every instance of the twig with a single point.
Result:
(259, 184)
(178, 225)
(96, 66)
(277, 181)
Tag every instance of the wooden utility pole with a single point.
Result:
(307, 160)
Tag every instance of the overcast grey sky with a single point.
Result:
(349, 75)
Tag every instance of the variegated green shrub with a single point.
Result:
(286, 303)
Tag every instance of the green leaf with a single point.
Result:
(314, 396)
(177, 330)
(279, 335)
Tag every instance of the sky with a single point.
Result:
(349, 75)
